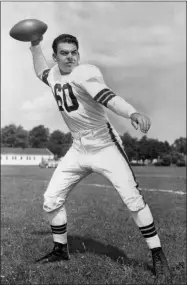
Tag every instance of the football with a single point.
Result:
(28, 30)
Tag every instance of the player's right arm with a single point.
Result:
(40, 64)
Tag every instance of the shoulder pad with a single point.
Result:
(85, 72)
(54, 73)
(54, 69)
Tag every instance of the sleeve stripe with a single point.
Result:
(104, 97)
(45, 76)
(98, 96)
(108, 99)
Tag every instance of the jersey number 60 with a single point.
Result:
(66, 90)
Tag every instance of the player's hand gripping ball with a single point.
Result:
(28, 30)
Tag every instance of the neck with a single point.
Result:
(64, 73)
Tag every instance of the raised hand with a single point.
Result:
(36, 42)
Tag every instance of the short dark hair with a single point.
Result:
(64, 38)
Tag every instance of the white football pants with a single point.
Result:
(110, 162)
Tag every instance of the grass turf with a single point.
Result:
(105, 245)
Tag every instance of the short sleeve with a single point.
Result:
(93, 83)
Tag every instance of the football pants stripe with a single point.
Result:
(120, 150)
(45, 76)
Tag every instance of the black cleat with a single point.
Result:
(59, 252)
(161, 268)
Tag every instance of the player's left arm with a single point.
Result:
(98, 90)
(122, 108)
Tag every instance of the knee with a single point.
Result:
(136, 203)
(52, 203)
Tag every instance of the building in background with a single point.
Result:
(25, 156)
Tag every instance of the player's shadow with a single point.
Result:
(79, 244)
(82, 244)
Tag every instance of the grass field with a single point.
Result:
(105, 245)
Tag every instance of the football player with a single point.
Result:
(82, 96)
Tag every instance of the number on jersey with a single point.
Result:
(69, 100)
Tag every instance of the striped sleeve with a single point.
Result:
(95, 86)
(104, 96)
(45, 75)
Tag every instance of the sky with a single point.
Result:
(139, 47)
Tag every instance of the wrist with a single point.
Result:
(35, 48)
(35, 43)
(134, 115)
(131, 111)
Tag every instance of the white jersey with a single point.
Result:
(81, 97)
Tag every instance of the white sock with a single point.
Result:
(144, 220)
(58, 222)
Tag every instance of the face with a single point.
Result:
(67, 57)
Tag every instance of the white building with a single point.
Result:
(24, 156)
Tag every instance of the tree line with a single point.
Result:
(38, 137)
(152, 149)
(58, 143)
